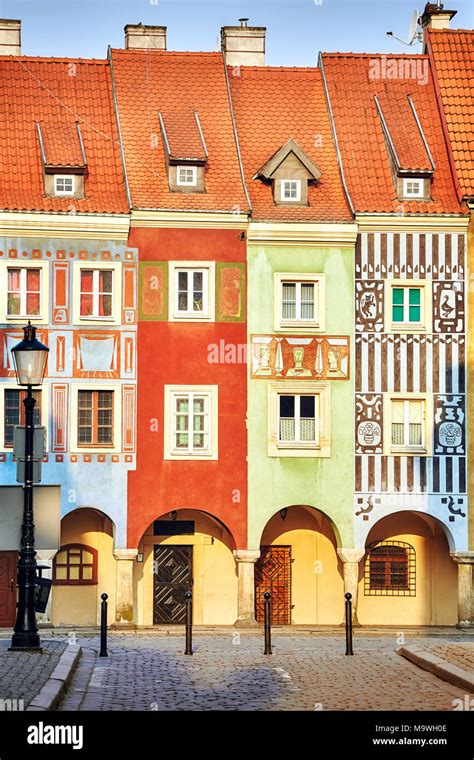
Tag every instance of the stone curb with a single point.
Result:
(464, 679)
(55, 686)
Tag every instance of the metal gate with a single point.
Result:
(273, 574)
(173, 576)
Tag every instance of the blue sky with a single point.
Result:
(296, 29)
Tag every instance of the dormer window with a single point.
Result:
(290, 172)
(291, 190)
(408, 151)
(64, 184)
(63, 158)
(413, 188)
(185, 151)
(186, 176)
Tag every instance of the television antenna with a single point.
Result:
(415, 32)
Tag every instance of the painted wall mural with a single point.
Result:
(322, 357)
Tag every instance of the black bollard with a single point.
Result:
(267, 622)
(103, 626)
(189, 623)
(349, 624)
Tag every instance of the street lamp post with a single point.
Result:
(29, 357)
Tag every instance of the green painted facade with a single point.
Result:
(326, 484)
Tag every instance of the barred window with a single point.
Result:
(390, 569)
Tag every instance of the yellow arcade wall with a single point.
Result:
(435, 602)
(80, 605)
(214, 572)
(317, 586)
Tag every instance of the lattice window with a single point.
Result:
(75, 564)
(15, 412)
(390, 569)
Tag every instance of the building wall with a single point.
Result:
(434, 602)
(214, 572)
(172, 353)
(80, 605)
(97, 354)
(431, 363)
(323, 483)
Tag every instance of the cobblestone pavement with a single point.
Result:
(23, 674)
(229, 672)
(460, 654)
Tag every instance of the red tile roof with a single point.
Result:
(353, 80)
(61, 143)
(452, 54)
(58, 91)
(149, 82)
(271, 106)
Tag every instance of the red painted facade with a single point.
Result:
(177, 353)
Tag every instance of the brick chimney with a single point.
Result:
(10, 36)
(435, 16)
(143, 37)
(243, 45)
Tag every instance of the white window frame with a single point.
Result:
(116, 268)
(391, 449)
(192, 182)
(117, 418)
(319, 448)
(43, 266)
(210, 394)
(413, 181)
(208, 285)
(425, 302)
(298, 324)
(44, 390)
(63, 178)
(298, 443)
(284, 183)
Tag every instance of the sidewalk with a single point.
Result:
(35, 680)
(451, 661)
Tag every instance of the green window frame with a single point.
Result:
(407, 305)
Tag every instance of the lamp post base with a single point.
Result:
(25, 640)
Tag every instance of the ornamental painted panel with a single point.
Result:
(449, 419)
(97, 354)
(369, 423)
(448, 307)
(276, 356)
(59, 398)
(153, 290)
(412, 255)
(129, 417)
(230, 291)
(60, 292)
(369, 306)
(129, 294)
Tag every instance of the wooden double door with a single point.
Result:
(173, 576)
(273, 574)
(8, 571)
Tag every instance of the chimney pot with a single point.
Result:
(10, 36)
(436, 17)
(243, 45)
(143, 37)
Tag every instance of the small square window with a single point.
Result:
(413, 188)
(191, 293)
(408, 425)
(299, 301)
(190, 422)
(186, 176)
(406, 306)
(64, 184)
(291, 190)
(298, 420)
